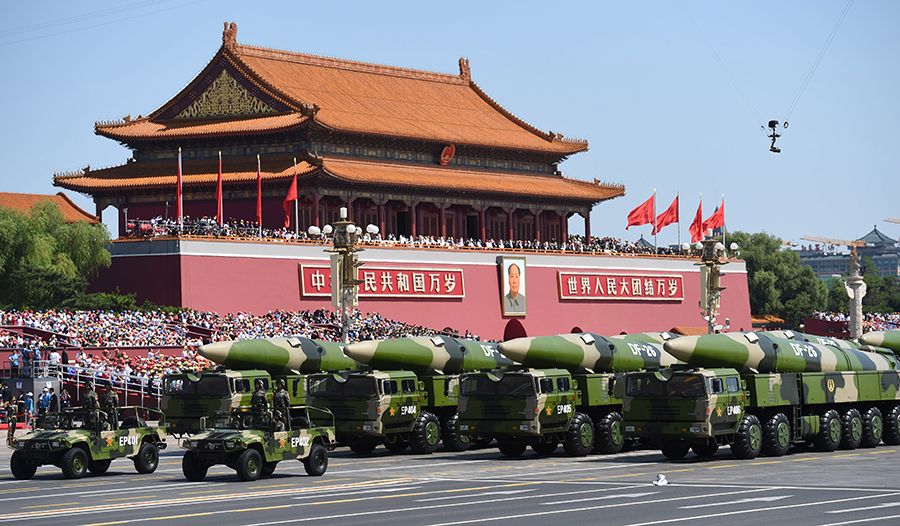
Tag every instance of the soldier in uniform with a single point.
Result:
(12, 408)
(90, 405)
(279, 424)
(111, 402)
(259, 404)
(281, 400)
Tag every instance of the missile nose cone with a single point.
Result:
(516, 349)
(217, 352)
(682, 348)
(870, 338)
(361, 351)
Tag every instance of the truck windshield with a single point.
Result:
(354, 387)
(208, 385)
(691, 386)
(509, 385)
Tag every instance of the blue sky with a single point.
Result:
(633, 78)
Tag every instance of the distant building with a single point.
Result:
(826, 261)
(70, 211)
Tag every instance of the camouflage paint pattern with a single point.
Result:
(279, 356)
(889, 339)
(754, 352)
(587, 352)
(649, 337)
(428, 355)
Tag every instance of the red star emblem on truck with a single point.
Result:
(281, 443)
(109, 441)
(393, 411)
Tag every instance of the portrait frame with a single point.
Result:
(513, 305)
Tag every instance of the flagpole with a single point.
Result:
(724, 228)
(259, 196)
(296, 206)
(180, 209)
(219, 207)
(655, 230)
(678, 211)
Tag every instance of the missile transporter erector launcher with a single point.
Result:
(760, 394)
(409, 398)
(565, 396)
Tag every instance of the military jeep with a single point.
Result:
(252, 443)
(78, 440)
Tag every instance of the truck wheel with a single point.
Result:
(317, 461)
(510, 448)
(99, 467)
(748, 440)
(674, 449)
(397, 445)
(608, 437)
(249, 465)
(21, 468)
(193, 469)
(147, 458)
(851, 429)
(891, 435)
(829, 431)
(363, 447)
(777, 436)
(269, 468)
(580, 436)
(300, 422)
(705, 450)
(544, 448)
(872, 428)
(453, 441)
(132, 422)
(426, 434)
(74, 463)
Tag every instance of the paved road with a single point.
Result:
(477, 487)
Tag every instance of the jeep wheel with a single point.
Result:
(74, 463)
(510, 448)
(21, 468)
(872, 428)
(193, 469)
(674, 449)
(99, 467)
(426, 434)
(851, 429)
(395, 443)
(317, 461)
(608, 437)
(777, 436)
(147, 458)
(580, 436)
(829, 431)
(363, 447)
(249, 465)
(269, 468)
(132, 422)
(545, 448)
(453, 441)
(748, 440)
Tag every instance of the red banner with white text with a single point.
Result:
(610, 286)
(378, 282)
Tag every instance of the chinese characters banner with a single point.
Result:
(591, 286)
(377, 282)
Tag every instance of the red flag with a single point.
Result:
(258, 192)
(643, 214)
(696, 229)
(666, 218)
(291, 196)
(219, 192)
(717, 219)
(178, 187)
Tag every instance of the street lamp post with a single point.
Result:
(344, 265)
(711, 254)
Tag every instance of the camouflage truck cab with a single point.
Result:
(374, 407)
(190, 396)
(703, 409)
(253, 445)
(78, 440)
(530, 407)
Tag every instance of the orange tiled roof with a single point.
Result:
(454, 179)
(156, 175)
(364, 98)
(690, 331)
(765, 318)
(173, 129)
(149, 175)
(70, 211)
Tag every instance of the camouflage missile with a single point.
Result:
(649, 337)
(294, 355)
(428, 355)
(889, 339)
(586, 352)
(756, 352)
(812, 338)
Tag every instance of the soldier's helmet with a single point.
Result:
(279, 383)
(259, 384)
(277, 415)
(90, 384)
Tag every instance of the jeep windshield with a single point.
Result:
(685, 386)
(354, 387)
(509, 385)
(208, 386)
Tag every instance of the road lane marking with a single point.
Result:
(807, 458)
(877, 507)
(725, 466)
(329, 480)
(733, 502)
(207, 491)
(272, 486)
(847, 455)
(129, 498)
(677, 470)
(769, 462)
(48, 505)
(870, 519)
(629, 475)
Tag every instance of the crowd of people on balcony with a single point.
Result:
(872, 321)
(233, 228)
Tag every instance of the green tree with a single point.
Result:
(44, 260)
(779, 283)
